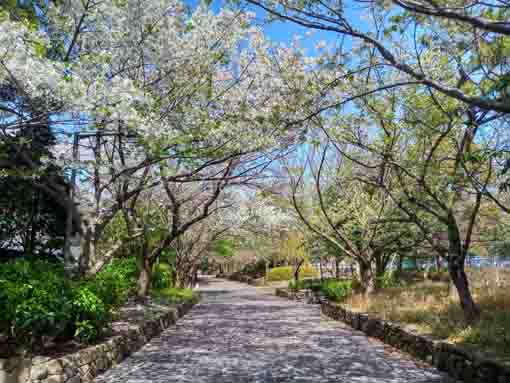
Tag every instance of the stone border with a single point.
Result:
(300, 295)
(84, 365)
(305, 295)
(444, 356)
(458, 363)
(243, 279)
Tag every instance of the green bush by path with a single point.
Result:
(90, 314)
(38, 299)
(173, 294)
(254, 270)
(337, 291)
(286, 273)
(115, 282)
(162, 276)
(332, 289)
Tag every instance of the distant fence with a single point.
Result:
(472, 262)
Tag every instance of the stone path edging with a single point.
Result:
(444, 356)
(458, 363)
(244, 279)
(84, 365)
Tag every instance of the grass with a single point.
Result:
(173, 294)
(429, 309)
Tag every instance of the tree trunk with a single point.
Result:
(438, 263)
(456, 259)
(459, 279)
(337, 268)
(87, 245)
(144, 279)
(145, 266)
(367, 278)
(183, 276)
(380, 264)
(296, 272)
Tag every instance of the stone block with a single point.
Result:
(56, 379)
(74, 379)
(55, 367)
(19, 373)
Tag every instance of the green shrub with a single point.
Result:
(115, 282)
(35, 300)
(336, 290)
(38, 299)
(162, 276)
(173, 295)
(332, 289)
(91, 314)
(286, 273)
(312, 284)
(297, 285)
(255, 270)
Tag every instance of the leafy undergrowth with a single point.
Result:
(286, 273)
(429, 309)
(173, 295)
(41, 305)
(335, 290)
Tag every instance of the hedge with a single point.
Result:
(286, 273)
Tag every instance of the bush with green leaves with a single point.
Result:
(38, 299)
(116, 281)
(35, 300)
(90, 314)
(312, 284)
(297, 285)
(332, 289)
(336, 290)
(286, 273)
(162, 276)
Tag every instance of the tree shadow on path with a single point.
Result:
(241, 334)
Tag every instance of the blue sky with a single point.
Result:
(282, 32)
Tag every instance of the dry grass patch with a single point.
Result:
(429, 309)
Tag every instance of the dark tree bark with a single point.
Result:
(298, 268)
(460, 280)
(380, 263)
(367, 278)
(456, 259)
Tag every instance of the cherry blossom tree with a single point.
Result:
(175, 81)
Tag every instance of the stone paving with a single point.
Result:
(243, 334)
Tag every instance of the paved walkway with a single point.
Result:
(244, 334)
